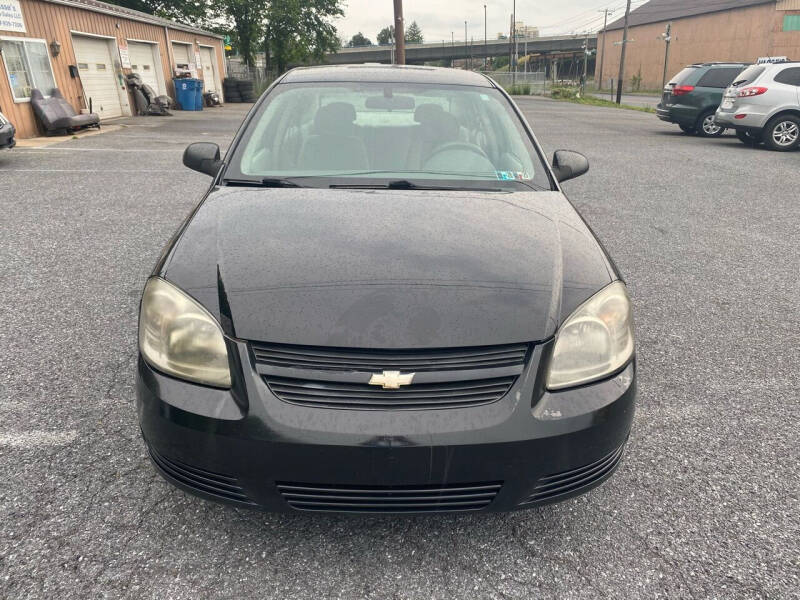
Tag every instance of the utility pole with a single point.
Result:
(511, 44)
(485, 41)
(585, 65)
(516, 48)
(603, 56)
(399, 33)
(667, 36)
(466, 49)
(621, 79)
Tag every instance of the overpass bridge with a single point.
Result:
(459, 50)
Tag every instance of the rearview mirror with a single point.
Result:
(202, 157)
(569, 165)
(390, 103)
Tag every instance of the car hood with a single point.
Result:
(387, 269)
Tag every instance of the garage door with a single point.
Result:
(97, 75)
(209, 69)
(181, 54)
(143, 63)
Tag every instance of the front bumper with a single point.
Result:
(245, 446)
(7, 133)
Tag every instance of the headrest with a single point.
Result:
(427, 113)
(335, 119)
(36, 95)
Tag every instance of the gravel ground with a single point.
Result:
(705, 505)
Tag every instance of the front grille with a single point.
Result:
(390, 499)
(330, 394)
(553, 487)
(344, 359)
(216, 484)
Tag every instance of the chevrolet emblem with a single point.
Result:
(391, 380)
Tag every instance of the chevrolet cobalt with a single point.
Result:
(385, 303)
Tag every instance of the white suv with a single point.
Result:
(763, 105)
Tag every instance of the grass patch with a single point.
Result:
(592, 101)
(520, 89)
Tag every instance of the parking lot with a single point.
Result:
(704, 505)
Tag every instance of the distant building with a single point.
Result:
(526, 31)
(702, 31)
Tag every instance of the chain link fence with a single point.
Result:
(257, 74)
(531, 83)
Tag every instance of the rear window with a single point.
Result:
(683, 76)
(789, 76)
(719, 78)
(749, 75)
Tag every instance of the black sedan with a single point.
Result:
(6, 133)
(385, 303)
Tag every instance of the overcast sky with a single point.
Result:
(438, 18)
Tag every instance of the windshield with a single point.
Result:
(459, 136)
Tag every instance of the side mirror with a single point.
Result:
(202, 157)
(569, 165)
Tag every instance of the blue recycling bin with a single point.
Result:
(198, 98)
(186, 93)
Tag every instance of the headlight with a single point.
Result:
(180, 337)
(595, 341)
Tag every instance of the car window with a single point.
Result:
(749, 75)
(789, 76)
(388, 130)
(681, 77)
(719, 77)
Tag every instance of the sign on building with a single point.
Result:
(124, 54)
(11, 16)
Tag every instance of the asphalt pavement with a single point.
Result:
(705, 504)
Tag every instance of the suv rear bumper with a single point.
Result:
(680, 115)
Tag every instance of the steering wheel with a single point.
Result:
(465, 146)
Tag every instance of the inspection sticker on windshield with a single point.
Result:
(511, 175)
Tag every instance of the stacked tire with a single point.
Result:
(246, 91)
(230, 88)
(238, 90)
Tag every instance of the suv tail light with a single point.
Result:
(751, 91)
(682, 90)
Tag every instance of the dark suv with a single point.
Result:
(691, 98)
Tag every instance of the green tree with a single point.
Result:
(386, 35)
(359, 40)
(414, 34)
(246, 19)
(286, 30)
(300, 30)
(499, 62)
(186, 11)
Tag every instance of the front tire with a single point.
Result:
(782, 133)
(707, 127)
(688, 130)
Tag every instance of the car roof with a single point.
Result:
(386, 74)
(720, 64)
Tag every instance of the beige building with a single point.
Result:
(701, 31)
(86, 47)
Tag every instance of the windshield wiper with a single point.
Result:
(404, 184)
(267, 182)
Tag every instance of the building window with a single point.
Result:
(791, 23)
(28, 67)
